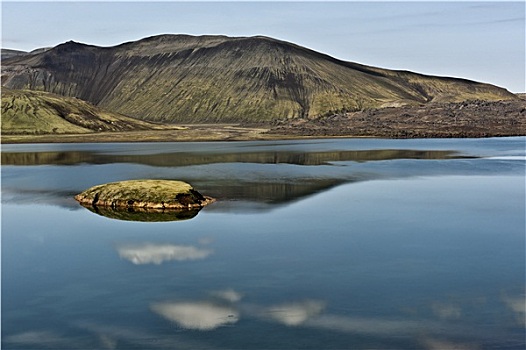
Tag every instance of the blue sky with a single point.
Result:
(482, 41)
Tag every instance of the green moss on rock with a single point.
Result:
(147, 194)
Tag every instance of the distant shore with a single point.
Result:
(473, 119)
(198, 133)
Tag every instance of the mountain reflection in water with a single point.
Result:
(197, 158)
(208, 167)
(383, 253)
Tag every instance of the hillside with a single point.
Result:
(37, 112)
(8, 53)
(187, 79)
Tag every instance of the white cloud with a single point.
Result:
(151, 253)
(202, 316)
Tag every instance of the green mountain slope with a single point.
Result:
(37, 112)
(178, 78)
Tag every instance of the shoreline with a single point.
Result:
(214, 135)
(469, 119)
(191, 133)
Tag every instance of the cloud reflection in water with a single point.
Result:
(37, 337)
(154, 253)
(202, 316)
(436, 344)
(518, 306)
(228, 295)
(446, 310)
(297, 313)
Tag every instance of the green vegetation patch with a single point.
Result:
(27, 112)
(146, 194)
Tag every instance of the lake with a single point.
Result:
(330, 243)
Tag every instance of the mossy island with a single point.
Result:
(154, 195)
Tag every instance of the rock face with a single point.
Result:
(144, 195)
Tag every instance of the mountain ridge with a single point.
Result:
(183, 78)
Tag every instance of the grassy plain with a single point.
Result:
(195, 132)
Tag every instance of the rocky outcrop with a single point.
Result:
(475, 118)
(144, 195)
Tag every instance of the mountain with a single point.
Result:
(37, 112)
(181, 78)
(8, 53)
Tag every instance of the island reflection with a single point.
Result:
(143, 214)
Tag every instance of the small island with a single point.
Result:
(144, 194)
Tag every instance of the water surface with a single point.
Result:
(335, 244)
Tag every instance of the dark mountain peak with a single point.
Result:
(173, 43)
(168, 44)
(182, 37)
(69, 51)
(70, 46)
(260, 41)
(69, 56)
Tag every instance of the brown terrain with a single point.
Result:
(465, 119)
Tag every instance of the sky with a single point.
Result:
(481, 41)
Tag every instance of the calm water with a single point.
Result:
(334, 244)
